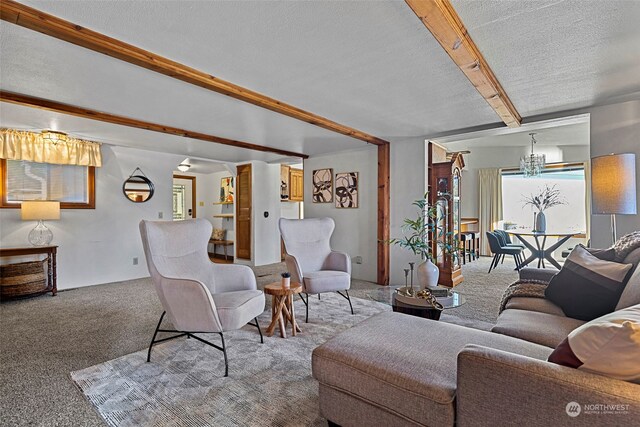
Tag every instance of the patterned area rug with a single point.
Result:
(268, 384)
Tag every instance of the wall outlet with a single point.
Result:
(160, 215)
(357, 260)
(201, 203)
(135, 260)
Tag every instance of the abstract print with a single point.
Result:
(347, 190)
(322, 186)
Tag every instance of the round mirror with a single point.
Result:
(138, 188)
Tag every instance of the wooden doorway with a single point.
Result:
(184, 197)
(243, 213)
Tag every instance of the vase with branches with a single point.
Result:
(547, 197)
(417, 235)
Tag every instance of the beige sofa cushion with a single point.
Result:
(405, 364)
(541, 305)
(541, 328)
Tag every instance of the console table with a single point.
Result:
(50, 251)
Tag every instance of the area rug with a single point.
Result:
(268, 384)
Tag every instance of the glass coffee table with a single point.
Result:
(452, 299)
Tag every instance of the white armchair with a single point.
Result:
(311, 261)
(197, 295)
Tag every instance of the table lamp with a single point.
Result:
(40, 210)
(613, 186)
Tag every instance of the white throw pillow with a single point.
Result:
(608, 345)
(631, 293)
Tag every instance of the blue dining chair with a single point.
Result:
(499, 251)
(505, 240)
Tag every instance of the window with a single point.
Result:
(569, 179)
(73, 186)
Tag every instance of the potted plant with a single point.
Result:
(546, 198)
(417, 239)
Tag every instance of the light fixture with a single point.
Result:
(532, 165)
(183, 167)
(613, 186)
(53, 137)
(40, 210)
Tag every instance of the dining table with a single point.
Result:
(540, 251)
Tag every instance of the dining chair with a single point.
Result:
(499, 251)
(198, 296)
(310, 260)
(505, 240)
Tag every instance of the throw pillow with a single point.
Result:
(218, 234)
(587, 287)
(633, 258)
(631, 293)
(606, 346)
(603, 254)
(626, 244)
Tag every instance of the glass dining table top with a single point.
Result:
(543, 233)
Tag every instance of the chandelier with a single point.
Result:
(532, 165)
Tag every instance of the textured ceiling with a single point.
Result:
(558, 135)
(558, 55)
(369, 65)
(20, 117)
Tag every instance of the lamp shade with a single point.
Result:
(40, 210)
(613, 184)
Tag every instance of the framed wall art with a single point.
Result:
(347, 190)
(322, 186)
(226, 190)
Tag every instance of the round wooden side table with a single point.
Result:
(282, 311)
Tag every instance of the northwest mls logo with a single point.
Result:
(573, 409)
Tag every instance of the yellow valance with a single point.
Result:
(31, 146)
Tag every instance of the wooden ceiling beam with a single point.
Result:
(443, 22)
(86, 113)
(19, 14)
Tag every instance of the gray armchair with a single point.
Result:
(311, 261)
(197, 295)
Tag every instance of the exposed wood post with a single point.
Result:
(384, 203)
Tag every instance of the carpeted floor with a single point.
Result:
(43, 339)
(269, 384)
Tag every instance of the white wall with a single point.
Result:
(290, 210)
(265, 186)
(356, 229)
(409, 158)
(615, 129)
(505, 157)
(98, 245)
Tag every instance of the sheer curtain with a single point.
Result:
(490, 201)
(30, 146)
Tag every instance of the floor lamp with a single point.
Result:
(613, 186)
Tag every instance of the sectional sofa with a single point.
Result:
(399, 370)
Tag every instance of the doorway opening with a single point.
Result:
(184, 197)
